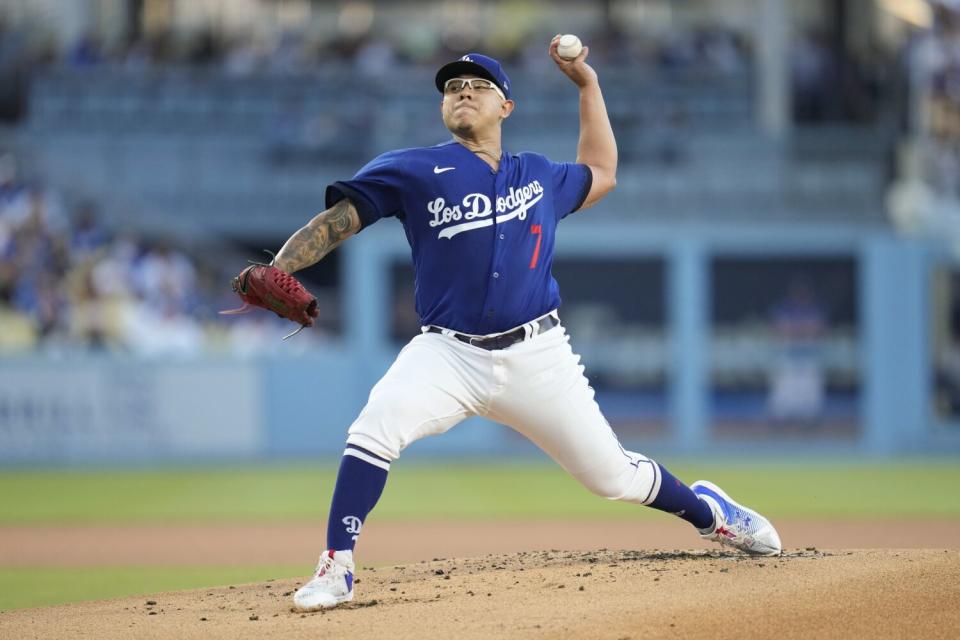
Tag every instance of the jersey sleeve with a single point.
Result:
(571, 184)
(374, 190)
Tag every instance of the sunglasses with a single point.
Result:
(454, 86)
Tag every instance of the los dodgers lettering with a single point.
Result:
(514, 205)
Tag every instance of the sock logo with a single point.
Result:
(353, 525)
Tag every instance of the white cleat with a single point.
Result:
(735, 525)
(331, 584)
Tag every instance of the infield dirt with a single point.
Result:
(299, 543)
(551, 594)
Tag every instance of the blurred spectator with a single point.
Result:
(260, 334)
(38, 252)
(724, 51)
(938, 61)
(947, 357)
(93, 318)
(244, 57)
(135, 55)
(112, 273)
(288, 55)
(152, 331)
(204, 49)
(86, 52)
(796, 389)
(833, 84)
(376, 58)
(925, 198)
(809, 69)
(12, 190)
(165, 278)
(87, 236)
(17, 331)
(947, 380)
(39, 296)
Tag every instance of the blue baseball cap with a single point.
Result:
(477, 65)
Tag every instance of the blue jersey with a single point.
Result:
(482, 240)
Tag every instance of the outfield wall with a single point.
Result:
(109, 409)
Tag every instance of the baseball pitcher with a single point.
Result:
(481, 223)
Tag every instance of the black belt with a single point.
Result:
(504, 340)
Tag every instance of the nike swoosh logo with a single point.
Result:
(437, 169)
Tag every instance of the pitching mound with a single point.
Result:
(602, 594)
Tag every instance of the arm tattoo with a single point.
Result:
(318, 237)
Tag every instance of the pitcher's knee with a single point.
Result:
(380, 446)
(633, 481)
(378, 430)
(392, 421)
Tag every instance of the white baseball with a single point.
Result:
(569, 47)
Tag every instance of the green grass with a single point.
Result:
(467, 491)
(32, 587)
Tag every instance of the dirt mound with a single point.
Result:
(599, 594)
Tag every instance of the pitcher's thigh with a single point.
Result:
(423, 393)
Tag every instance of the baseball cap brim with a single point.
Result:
(462, 67)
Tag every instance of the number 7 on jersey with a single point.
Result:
(535, 230)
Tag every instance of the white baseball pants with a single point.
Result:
(536, 387)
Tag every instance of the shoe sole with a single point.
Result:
(318, 607)
(723, 494)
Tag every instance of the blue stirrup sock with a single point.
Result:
(677, 498)
(360, 481)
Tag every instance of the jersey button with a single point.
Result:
(496, 274)
(501, 236)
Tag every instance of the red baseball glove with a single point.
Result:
(265, 286)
